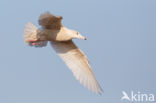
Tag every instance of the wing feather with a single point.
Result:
(49, 21)
(78, 64)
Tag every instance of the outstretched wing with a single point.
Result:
(49, 21)
(78, 64)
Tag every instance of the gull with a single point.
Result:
(60, 38)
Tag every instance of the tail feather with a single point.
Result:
(30, 32)
(30, 36)
(29, 27)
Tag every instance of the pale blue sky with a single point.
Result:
(121, 46)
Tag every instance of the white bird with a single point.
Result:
(60, 38)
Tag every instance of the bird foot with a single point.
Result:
(33, 42)
(37, 43)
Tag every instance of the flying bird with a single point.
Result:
(60, 38)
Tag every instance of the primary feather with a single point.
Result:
(78, 64)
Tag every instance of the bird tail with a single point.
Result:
(31, 37)
(30, 32)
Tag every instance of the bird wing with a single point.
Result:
(77, 63)
(49, 21)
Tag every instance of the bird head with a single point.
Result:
(77, 35)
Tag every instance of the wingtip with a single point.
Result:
(100, 91)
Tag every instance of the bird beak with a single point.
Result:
(82, 37)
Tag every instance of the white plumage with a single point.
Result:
(60, 38)
(78, 64)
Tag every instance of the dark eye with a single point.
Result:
(77, 33)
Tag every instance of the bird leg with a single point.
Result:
(34, 42)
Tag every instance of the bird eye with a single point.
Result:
(77, 33)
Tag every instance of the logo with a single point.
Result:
(137, 97)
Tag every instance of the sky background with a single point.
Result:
(121, 46)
